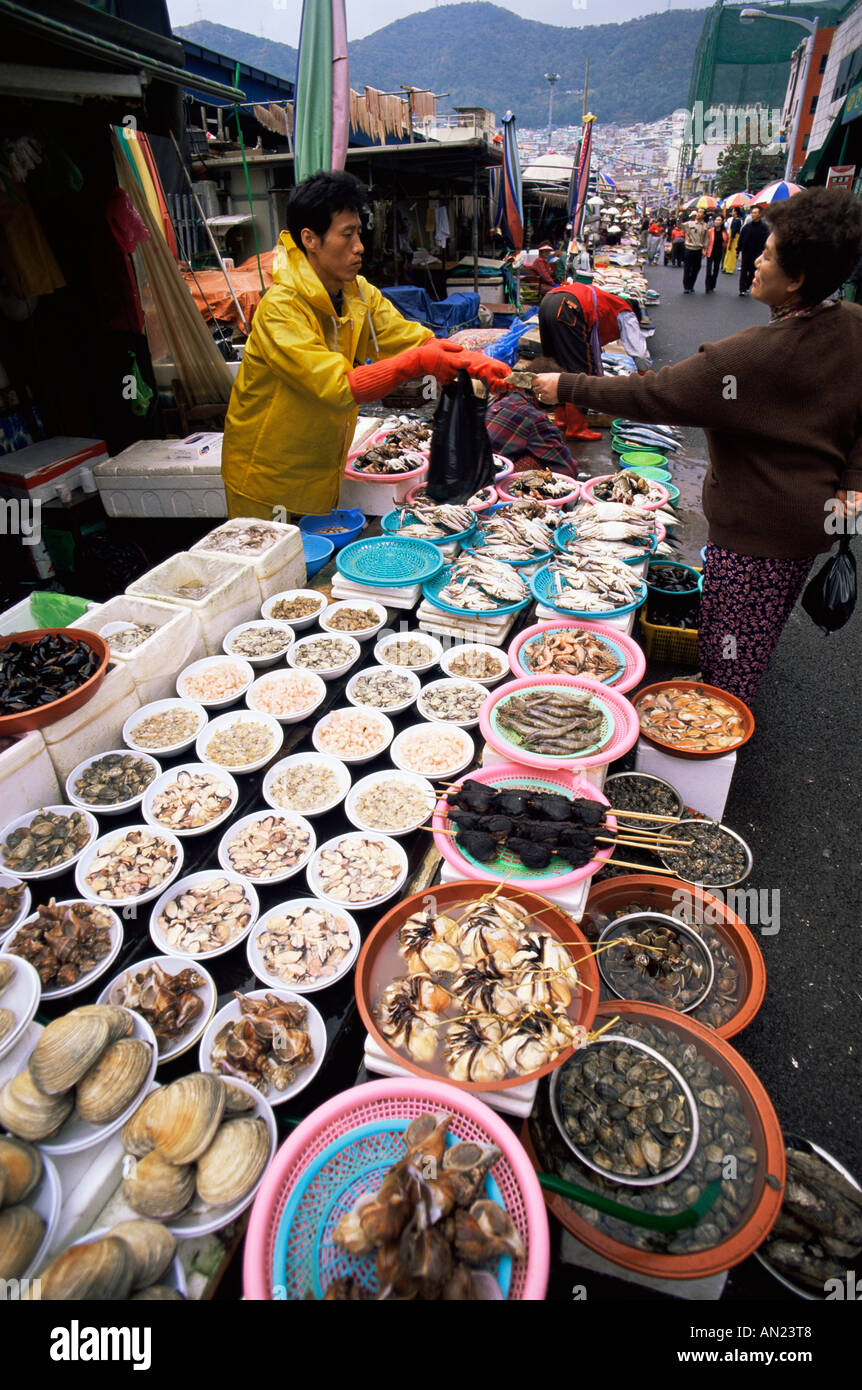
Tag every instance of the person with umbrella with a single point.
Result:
(781, 406)
(323, 341)
(752, 240)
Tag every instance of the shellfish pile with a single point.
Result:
(357, 869)
(167, 1002)
(127, 1262)
(268, 1045)
(21, 1228)
(688, 719)
(86, 1061)
(487, 993)
(195, 1142)
(7, 1017)
(304, 945)
(50, 839)
(64, 942)
(37, 673)
(428, 1226)
(115, 778)
(11, 897)
(205, 917)
(268, 847)
(192, 800)
(131, 864)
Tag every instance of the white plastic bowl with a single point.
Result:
(382, 720)
(216, 663)
(260, 662)
(362, 634)
(226, 721)
(409, 779)
(328, 673)
(427, 731)
(171, 965)
(84, 982)
(396, 853)
(56, 869)
(499, 656)
(75, 1135)
(435, 647)
(13, 881)
(103, 843)
(402, 671)
(198, 881)
(278, 676)
(296, 623)
(21, 996)
(46, 1200)
(256, 956)
(121, 806)
(314, 1026)
(447, 683)
(159, 707)
(169, 777)
(266, 880)
(321, 760)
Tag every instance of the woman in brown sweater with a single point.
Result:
(781, 407)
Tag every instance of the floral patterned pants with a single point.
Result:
(745, 604)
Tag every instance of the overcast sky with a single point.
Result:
(279, 19)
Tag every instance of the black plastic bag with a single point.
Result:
(462, 460)
(830, 597)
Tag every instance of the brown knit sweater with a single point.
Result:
(781, 407)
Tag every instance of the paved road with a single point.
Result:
(795, 798)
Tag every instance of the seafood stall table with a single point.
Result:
(705, 785)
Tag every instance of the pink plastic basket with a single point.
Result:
(572, 496)
(398, 1099)
(588, 495)
(626, 727)
(635, 661)
(491, 500)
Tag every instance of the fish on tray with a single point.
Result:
(513, 537)
(475, 583)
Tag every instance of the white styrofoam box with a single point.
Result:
(572, 899)
(165, 477)
(375, 499)
(517, 1100)
(407, 597)
(52, 468)
(490, 291)
(157, 662)
(27, 777)
(234, 599)
(703, 783)
(97, 725)
(19, 618)
(365, 425)
(281, 566)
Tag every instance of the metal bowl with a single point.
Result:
(654, 1179)
(667, 859)
(681, 929)
(645, 777)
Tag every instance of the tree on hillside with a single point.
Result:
(746, 168)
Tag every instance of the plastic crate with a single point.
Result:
(672, 644)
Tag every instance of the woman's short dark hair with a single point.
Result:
(315, 201)
(818, 234)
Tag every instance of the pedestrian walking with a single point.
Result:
(716, 245)
(655, 241)
(752, 240)
(677, 243)
(730, 254)
(696, 233)
(785, 445)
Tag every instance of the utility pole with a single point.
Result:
(551, 77)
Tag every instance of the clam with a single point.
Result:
(233, 1162)
(158, 1293)
(21, 1232)
(237, 1102)
(135, 1134)
(185, 1116)
(20, 1170)
(120, 1020)
(158, 1189)
(100, 1270)
(7, 970)
(66, 1050)
(29, 1114)
(112, 1084)
(152, 1246)
(7, 1022)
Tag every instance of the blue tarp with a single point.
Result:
(447, 316)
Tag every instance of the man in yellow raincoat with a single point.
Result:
(323, 341)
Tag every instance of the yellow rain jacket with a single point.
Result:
(291, 417)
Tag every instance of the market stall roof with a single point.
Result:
(817, 161)
(446, 160)
(549, 168)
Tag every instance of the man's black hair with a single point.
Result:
(315, 201)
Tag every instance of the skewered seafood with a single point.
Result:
(534, 828)
(475, 583)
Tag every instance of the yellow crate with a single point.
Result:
(672, 644)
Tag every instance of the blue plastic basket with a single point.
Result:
(387, 562)
(431, 591)
(542, 588)
(674, 565)
(393, 521)
(305, 1258)
(569, 532)
(353, 519)
(318, 550)
(476, 542)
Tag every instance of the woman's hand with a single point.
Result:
(545, 387)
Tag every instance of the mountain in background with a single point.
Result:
(483, 55)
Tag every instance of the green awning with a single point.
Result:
(819, 160)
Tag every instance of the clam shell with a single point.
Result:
(102, 1269)
(184, 1117)
(237, 1102)
(158, 1189)
(112, 1084)
(7, 970)
(7, 1022)
(158, 1293)
(233, 1162)
(21, 1232)
(20, 1170)
(29, 1114)
(135, 1133)
(152, 1246)
(66, 1050)
(119, 1020)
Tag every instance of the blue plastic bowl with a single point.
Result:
(318, 549)
(353, 519)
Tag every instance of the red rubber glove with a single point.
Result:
(488, 369)
(438, 357)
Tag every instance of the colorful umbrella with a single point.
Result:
(513, 198)
(580, 178)
(736, 200)
(606, 181)
(777, 192)
(322, 107)
(702, 201)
